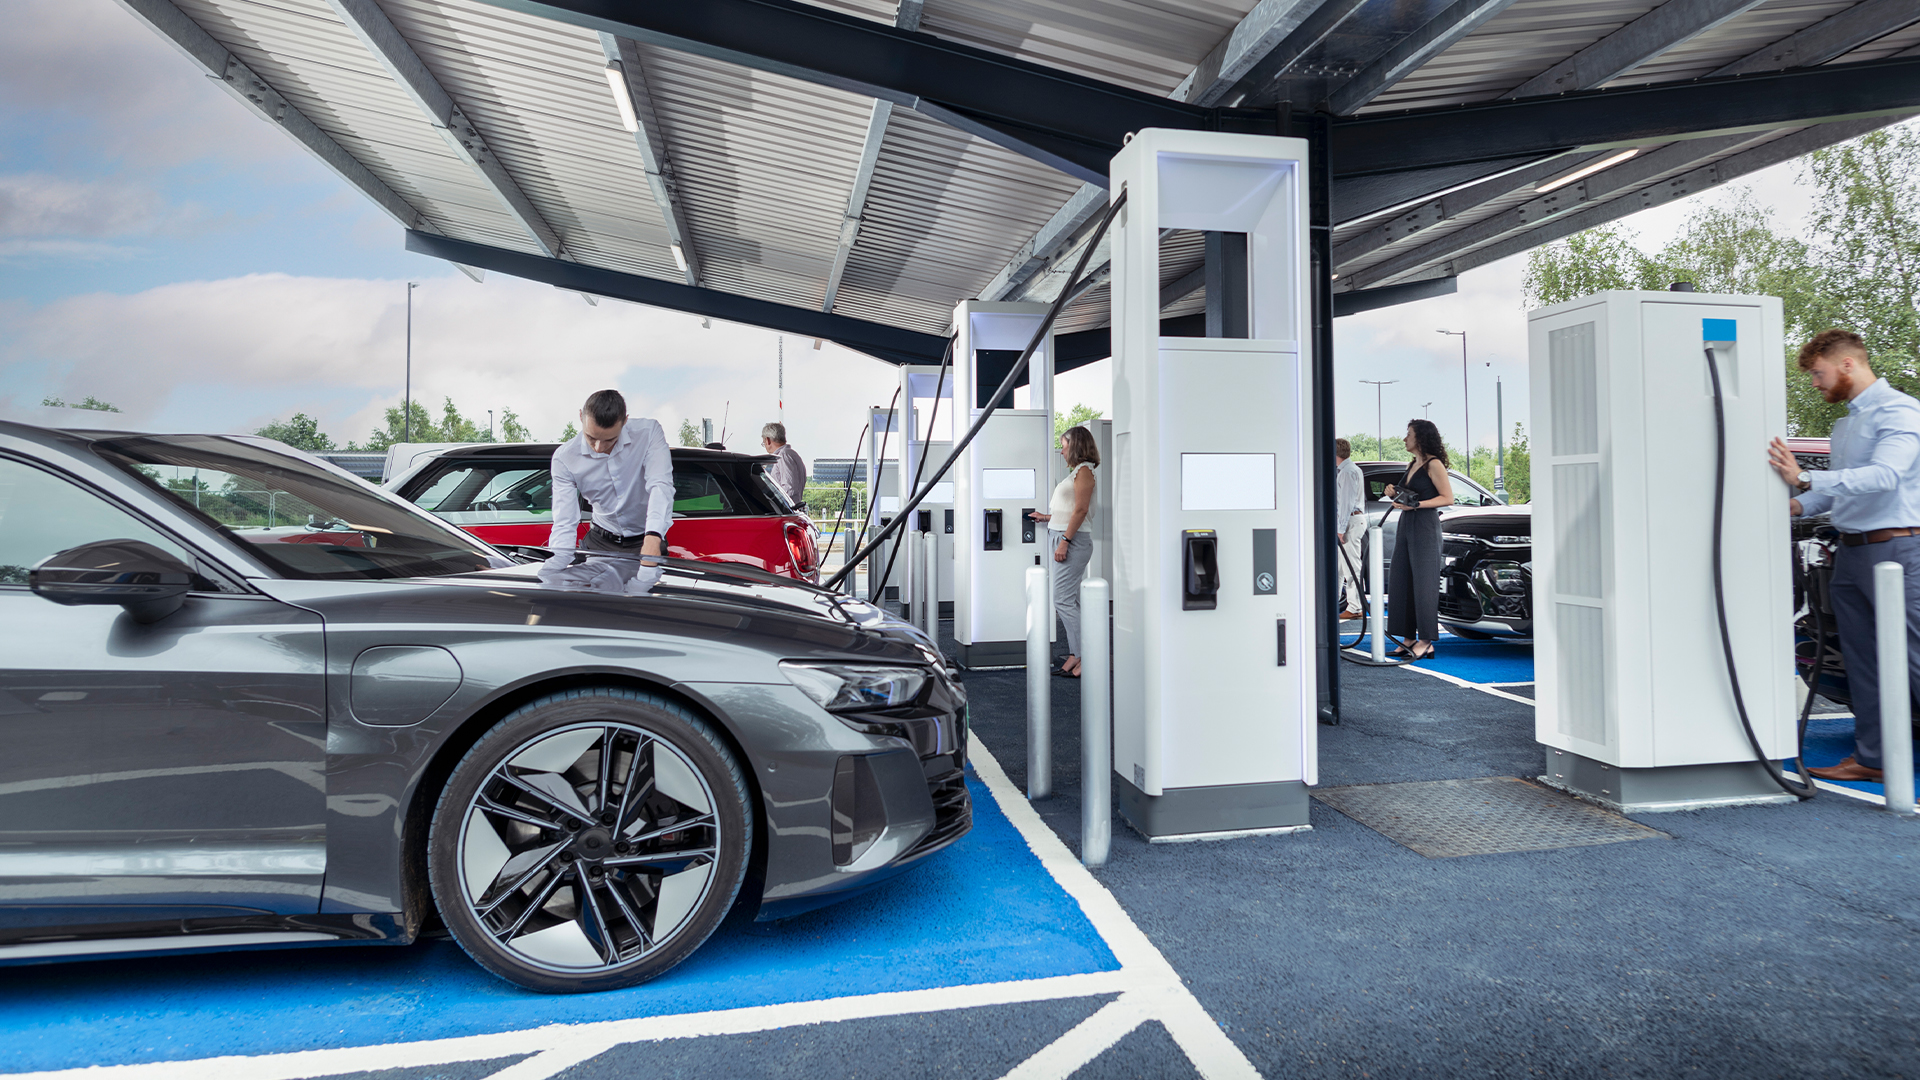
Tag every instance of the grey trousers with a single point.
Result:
(1066, 581)
(1853, 611)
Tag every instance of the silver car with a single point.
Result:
(249, 700)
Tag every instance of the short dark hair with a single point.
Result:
(1835, 340)
(1342, 448)
(605, 408)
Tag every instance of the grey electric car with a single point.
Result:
(249, 700)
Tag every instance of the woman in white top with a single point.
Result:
(1071, 506)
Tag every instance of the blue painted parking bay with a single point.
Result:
(983, 911)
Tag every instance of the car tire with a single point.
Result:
(562, 883)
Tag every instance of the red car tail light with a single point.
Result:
(806, 556)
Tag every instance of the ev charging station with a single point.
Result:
(1214, 627)
(1635, 707)
(927, 397)
(883, 475)
(998, 480)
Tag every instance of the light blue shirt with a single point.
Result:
(1875, 481)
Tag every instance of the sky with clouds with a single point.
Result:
(162, 249)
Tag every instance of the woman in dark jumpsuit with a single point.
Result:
(1413, 587)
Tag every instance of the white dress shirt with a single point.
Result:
(1348, 486)
(790, 473)
(630, 488)
(1875, 451)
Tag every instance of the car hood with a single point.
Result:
(1490, 521)
(704, 597)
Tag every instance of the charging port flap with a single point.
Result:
(991, 534)
(1200, 581)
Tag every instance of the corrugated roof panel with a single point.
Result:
(944, 213)
(764, 164)
(1148, 47)
(1513, 46)
(1751, 30)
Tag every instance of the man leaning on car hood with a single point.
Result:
(624, 470)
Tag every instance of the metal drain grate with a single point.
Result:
(1484, 816)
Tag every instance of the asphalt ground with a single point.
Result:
(1766, 941)
(1757, 941)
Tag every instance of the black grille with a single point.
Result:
(1458, 602)
(952, 809)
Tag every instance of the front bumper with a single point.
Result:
(843, 809)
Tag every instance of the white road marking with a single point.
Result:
(1094, 1036)
(1146, 980)
(1485, 688)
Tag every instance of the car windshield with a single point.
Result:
(301, 518)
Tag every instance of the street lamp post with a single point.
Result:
(1424, 408)
(1466, 411)
(1499, 439)
(406, 425)
(1379, 415)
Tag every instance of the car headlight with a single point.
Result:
(856, 687)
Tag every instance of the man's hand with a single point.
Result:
(1785, 464)
(650, 551)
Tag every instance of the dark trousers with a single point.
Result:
(1413, 585)
(1853, 612)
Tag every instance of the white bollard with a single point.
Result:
(1039, 689)
(1096, 720)
(1896, 723)
(1377, 594)
(930, 585)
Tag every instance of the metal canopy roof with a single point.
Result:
(850, 169)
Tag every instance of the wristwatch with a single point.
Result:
(1804, 480)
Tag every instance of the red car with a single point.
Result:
(725, 508)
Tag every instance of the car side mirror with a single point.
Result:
(150, 583)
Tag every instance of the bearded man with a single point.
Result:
(1873, 494)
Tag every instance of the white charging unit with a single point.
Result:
(927, 397)
(884, 432)
(1213, 546)
(1633, 702)
(999, 479)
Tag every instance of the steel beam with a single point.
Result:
(652, 142)
(213, 58)
(1257, 86)
(1450, 206)
(1596, 188)
(1440, 33)
(1666, 26)
(1798, 144)
(907, 17)
(1266, 28)
(1353, 303)
(384, 40)
(1828, 39)
(1627, 116)
(888, 343)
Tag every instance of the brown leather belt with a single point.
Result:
(1877, 536)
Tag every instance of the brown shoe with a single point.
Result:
(1848, 769)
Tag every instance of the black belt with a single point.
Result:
(1877, 536)
(616, 539)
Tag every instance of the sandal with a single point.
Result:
(1432, 651)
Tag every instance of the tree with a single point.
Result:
(1519, 470)
(511, 429)
(1367, 447)
(452, 427)
(91, 403)
(302, 433)
(1074, 417)
(570, 432)
(1859, 269)
(689, 435)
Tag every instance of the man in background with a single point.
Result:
(787, 470)
(1350, 517)
(1873, 494)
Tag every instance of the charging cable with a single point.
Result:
(1798, 789)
